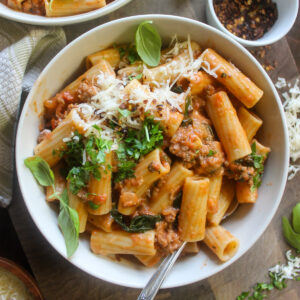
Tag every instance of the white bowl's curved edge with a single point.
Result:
(21, 17)
(249, 43)
(285, 171)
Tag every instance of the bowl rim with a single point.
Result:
(158, 17)
(27, 18)
(23, 276)
(251, 43)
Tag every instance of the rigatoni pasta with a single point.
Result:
(192, 216)
(56, 8)
(147, 155)
(232, 78)
(228, 126)
(221, 242)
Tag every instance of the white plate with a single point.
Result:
(248, 223)
(22, 17)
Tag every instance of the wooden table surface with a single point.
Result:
(58, 279)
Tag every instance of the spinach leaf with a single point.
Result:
(68, 221)
(290, 235)
(148, 43)
(177, 89)
(296, 218)
(138, 224)
(40, 170)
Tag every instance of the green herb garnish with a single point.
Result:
(148, 43)
(124, 112)
(187, 106)
(258, 164)
(95, 149)
(140, 142)
(40, 170)
(137, 224)
(93, 205)
(137, 77)
(136, 143)
(211, 153)
(177, 89)
(68, 222)
(68, 219)
(132, 54)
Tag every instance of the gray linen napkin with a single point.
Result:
(24, 52)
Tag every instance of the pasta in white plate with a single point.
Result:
(148, 151)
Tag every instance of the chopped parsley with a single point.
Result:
(132, 55)
(140, 142)
(93, 205)
(124, 112)
(125, 166)
(211, 153)
(136, 143)
(83, 157)
(137, 77)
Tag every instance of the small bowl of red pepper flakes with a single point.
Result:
(253, 22)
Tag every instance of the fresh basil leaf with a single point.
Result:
(296, 218)
(40, 170)
(148, 43)
(68, 221)
(290, 235)
(138, 224)
(124, 112)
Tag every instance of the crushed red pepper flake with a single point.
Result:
(263, 55)
(247, 19)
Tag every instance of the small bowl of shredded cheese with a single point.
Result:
(252, 23)
(17, 284)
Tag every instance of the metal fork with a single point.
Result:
(155, 282)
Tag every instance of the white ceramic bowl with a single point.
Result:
(248, 223)
(287, 13)
(22, 17)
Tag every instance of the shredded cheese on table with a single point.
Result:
(287, 271)
(291, 107)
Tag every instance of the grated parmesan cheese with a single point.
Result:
(291, 107)
(287, 271)
(112, 94)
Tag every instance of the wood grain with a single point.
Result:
(58, 279)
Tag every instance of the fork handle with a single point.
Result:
(155, 282)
